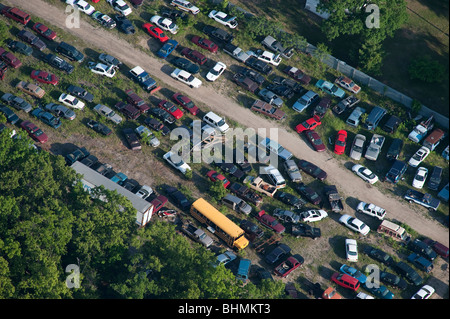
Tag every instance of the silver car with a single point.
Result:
(357, 147)
(108, 113)
(292, 170)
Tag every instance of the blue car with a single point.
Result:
(309, 98)
(379, 291)
(330, 88)
(119, 178)
(355, 273)
(167, 48)
(47, 118)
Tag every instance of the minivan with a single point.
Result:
(70, 52)
(16, 14)
(355, 117)
(216, 121)
(374, 118)
(243, 270)
(396, 172)
(236, 204)
(392, 124)
(433, 140)
(435, 178)
(394, 149)
(276, 179)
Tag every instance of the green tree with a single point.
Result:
(217, 190)
(427, 70)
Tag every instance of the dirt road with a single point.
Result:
(344, 179)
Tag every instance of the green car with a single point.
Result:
(20, 47)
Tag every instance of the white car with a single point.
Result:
(365, 173)
(419, 156)
(108, 113)
(223, 18)
(144, 192)
(357, 147)
(351, 249)
(185, 6)
(266, 56)
(147, 135)
(165, 24)
(420, 177)
(121, 6)
(424, 293)
(216, 71)
(102, 69)
(71, 101)
(371, 210)
(177, 162)
(354, 224)
(313, 215)
(81, 5)
(186, 78)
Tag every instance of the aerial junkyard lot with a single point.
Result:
(322, 256)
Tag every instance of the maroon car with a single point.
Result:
(44, 77)
(158, 203)
(44, 31)
(297, 74)
(137, 101)
(10, 58)
(270, 222)
(194, 56)
(185, 103)
(315, 140)
(35, 132)
(205, 43)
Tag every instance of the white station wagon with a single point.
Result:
(186, 78)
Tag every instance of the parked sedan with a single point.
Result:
(380, 291)
(44, 31)
(270, 97)
(178, 197)
(340, 143)
(277, 253)
(99, 127)
(216, 71)
(44, 77)
(9, 58)
(315, 140)
(16, 102)
(286, 215)
(393, 280)
(165, 24)
(177, 162)
(47, 117)
(186, 65)
(420, 177)
(419, 156)
(289, 199)
(31, 89)
(313, 215)
(71, 101)
(80, 93)
(205, 43)
(132, 139)
(424, 293)
(167, 48)
(357, 147)
(32, 39)
(20, 47)
(231, 169)
(355, 273)
(223, 18)
(170, 108)
(270, 222)
(185, 103)
(309, 124)
(60, 110)
(309, 193)
(312, 170)
(11, 117)
(354, 224)
(155, 32)
(102, 69)
(186, 77)
(34, 132)
(215, 176)
(379, 255)
(351, 249)
(330, 88)
(365, 173)
(309, 98)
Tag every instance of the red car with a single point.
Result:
(215, 176)
(44, 77)
(309, 124)
(155, 32)
(10, 58)
(341, 140)
(44, 31)
(315, 140)
(158, 203)
(185, 103)
(270, 222)
(34, 132)
(170, 108)
(205, 43)
(345, 281)
(194, 56)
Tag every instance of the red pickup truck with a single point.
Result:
(289, 265)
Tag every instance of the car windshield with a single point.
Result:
(190, 78)
(420, 178)
(214, 71)
(221, 122)
(340, 143)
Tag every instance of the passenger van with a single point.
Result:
(355, 117)
(374, 118)
(236, 204)
(433, 140)
(394, 231)
(216, 121)
(243, 270)
(16, 14)
(276, 179)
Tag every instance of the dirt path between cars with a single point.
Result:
(346, 181)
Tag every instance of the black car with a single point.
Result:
(435, 178)
(231, 169)
(124, 24)
(77, 155)
(186, 65)
(80, 93)
(309, 193)
(99, 127)
(178, 197)
(172, 14)
(156, 125)
(378, 255)
(11, 117)
(130, 184)
(32, 39)
(312, 170)
(289, 199)
(277, 253)
(259, 65)
(20, 47)
(394, 149)
(263, 273)
(90, 161)
(305, 230)
(295, 86)
(409, 273)
(218, 34)
(322, 107)
(422, 249)
(162, 115)
(58, 63)
(253, 75)
(251, 229)
(70, 52)
(393, 280)
(281, 90)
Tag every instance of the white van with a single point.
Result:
(275, 177)
(216, 121)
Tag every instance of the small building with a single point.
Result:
(311, 5)
(92, 179)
